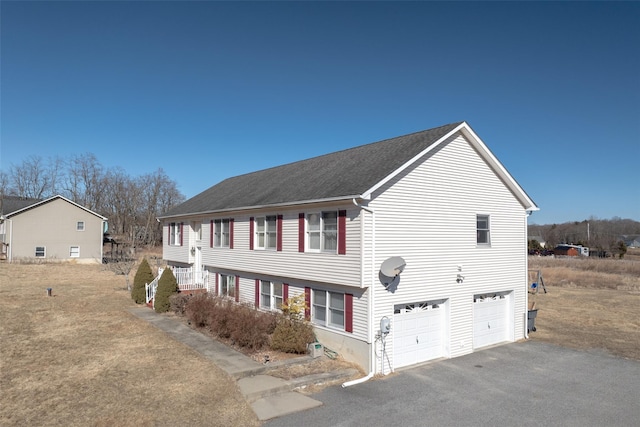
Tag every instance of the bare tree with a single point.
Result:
(34, 178)
(85, 181)
(122, 268)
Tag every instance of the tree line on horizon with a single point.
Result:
(597, 234)
(130, 203)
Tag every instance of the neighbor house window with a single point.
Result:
(271, 295)
(74, 252)
(40, 251)
(221, 233)
(482, 226)
(266, 232)
(80, 226)
(175, 234)
(322, 231)
(227, 285)
(327, 308)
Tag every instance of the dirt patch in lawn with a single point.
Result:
(590, 304)
(79, 358)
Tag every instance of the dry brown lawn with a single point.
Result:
(590, 304)
(79, 358)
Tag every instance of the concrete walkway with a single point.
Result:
(269, 397)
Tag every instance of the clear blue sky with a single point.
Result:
(209, 90)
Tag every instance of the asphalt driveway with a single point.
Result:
(520, 384)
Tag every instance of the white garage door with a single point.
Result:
(418, 332)
(491, 320)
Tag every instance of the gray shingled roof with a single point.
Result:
(344, 173)
(12, 204)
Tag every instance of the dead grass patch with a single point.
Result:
(590, 304)
(79, 357)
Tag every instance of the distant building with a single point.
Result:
(570, 250)
(631, 240)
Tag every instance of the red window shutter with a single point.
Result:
(307, 303)
(181, 232)
(257, 293)
(231, 233)
(279, 234)
(217, 290)
(342, 232)
(301, 232)
(211, 235)
(348, 312)
(251, 231)
(285, 293)
(237, 288)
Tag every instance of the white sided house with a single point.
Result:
(436, 205)
(55, 229)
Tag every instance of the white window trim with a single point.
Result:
(321, 232)
(71, 252)
(267, 234)
(220, 232)
(174, 233)
(44, 252)
(275, 301)
(227, 282)
(80, 228)
(487, 230)
(328, 310)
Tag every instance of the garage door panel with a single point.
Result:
(490, 321)
(418, 335)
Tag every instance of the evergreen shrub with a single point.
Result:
(167, 286)
(143, 276)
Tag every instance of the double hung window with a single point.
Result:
(266, 232)
(221, 233)
(482, 230)
(40, 251)
(271, 295)
(80, 226)
(327, 308)
(322, 231)
(74, 252)
(227, 285)
(175, 234)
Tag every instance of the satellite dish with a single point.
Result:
(393, 266)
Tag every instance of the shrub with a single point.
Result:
(198, 308)
(167, 286)
(251, 328)
(142, 277)
(292, 336)
(178, 303)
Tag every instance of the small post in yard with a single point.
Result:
(49, 292)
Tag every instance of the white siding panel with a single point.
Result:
(427, 215)
(289, 263)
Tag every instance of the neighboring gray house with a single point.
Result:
(335, 227)
(51, 229)
(631, 240)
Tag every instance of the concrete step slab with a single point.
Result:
(281, 404)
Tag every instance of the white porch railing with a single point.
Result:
(191, 278)
(150, 288)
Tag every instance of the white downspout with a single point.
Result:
(371, 305)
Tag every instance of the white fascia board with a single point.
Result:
(258, 207)
(42, 202)
(367, 194)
